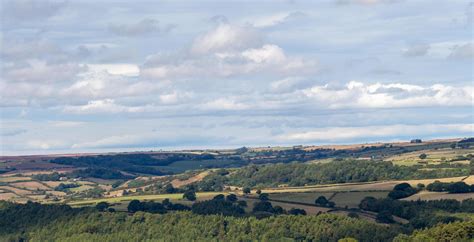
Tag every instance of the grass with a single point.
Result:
(14, 178)
(352, 199)
(426, 195)
(174, 196)
(304, 197)
(433, 156)
(81, 188)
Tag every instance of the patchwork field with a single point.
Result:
(31, 185)
(363, 186)
(434, 156)
(7, 196)
(14, 178)
(157, 197)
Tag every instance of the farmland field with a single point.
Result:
(303, 197)
(30, 185)
(14, 178)
(426, 195)
(158, 197)
(433, 156)
(7, 196)
(352, 199)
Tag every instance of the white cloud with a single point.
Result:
(116, 69)
(360, 95)
(267, 59)
(226, 37)
(224, 104)
(41, 71)
(266, 54)
(101, 107)
(101, 84)
(274, 19)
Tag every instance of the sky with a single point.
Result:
(96, 76)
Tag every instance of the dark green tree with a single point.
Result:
(321, 201)
(190, 195)
(102, 206)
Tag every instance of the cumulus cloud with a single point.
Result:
(62, 60)
(287, 94)
(227, 50)
(142, 27)
(360, 95)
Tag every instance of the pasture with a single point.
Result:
(427, 195)
(434, 156)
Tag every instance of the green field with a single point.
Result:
(303, 197)
(352, 199)
(157, 197)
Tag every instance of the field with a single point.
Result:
(14, 178)
(157, 197)
(31, 185)
(352, 199)
(18, 183)
(434, 156)
(303, 197)
(179, 183)
(426, 195)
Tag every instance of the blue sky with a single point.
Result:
(87, 76)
